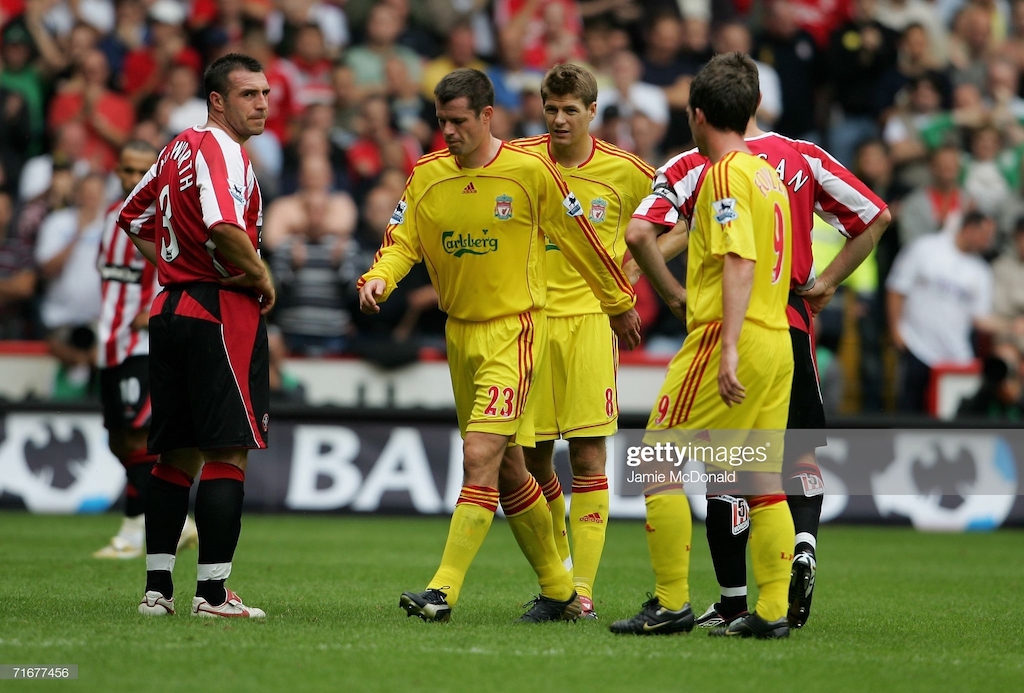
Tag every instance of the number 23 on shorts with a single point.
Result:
(502, 401)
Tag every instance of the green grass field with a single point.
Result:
(895, 610)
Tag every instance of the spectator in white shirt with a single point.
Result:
(939, 291)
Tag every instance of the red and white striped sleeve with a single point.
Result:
(221, 177)
(138, 216)
(841, 198)
(674, 190)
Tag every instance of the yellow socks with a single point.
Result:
(669, 528)
(530, 521)
(771, 550)
(589, 517)
(556, 504)
(471, 520)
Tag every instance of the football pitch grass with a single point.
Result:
(895, 610)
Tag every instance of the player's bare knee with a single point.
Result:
(188, 460)
(587, 456)
(540, 460)
(482, 455)
(239, 457)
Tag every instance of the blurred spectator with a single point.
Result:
(970, 46)
(20, 77)
(65, 253)
(220, 25)
(733, 36)
(913, 61)
(821, 18)
(795, 57)
(459, 52)
(346, 107)
(918, 125)
(900, 14)
(129, 33)
(313, 143)
(379, 145)
(68, 150)
(17, 275)
(665, 66)
(630, 95)
(548, 31)
(290, 215)
(1008, 299)
(412, 113)
(284, 21)
(367, 60)
(45, 50)
(1005, 105)
(184, 107)
(443, 16)
(983, 180)
(531, 113)
(308, 68)
(859, 53)
(929, 207)
(998, 397)
(1013, 47)
(315, 272)
(146, 67)
(108, 117)
(15, 136)
(939, 291)
(873, 165)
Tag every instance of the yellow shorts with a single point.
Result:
(575, 387)
(492, 366)
(689, 400)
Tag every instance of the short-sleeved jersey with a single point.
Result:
(128, 287)
(609, 185)
(817, 183)
(743, 209)
(202, 178)
(479, 233)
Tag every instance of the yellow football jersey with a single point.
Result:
(479, 233)
(742, 208)
(609, 185)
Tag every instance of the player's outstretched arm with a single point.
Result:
(737, 284)
(369, 295)
(235, 245)
(147, 248)
(642, 240)
(670, 245)
(842, 266)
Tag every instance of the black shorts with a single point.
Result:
(806, 411)
(124, 391)
(209, 369)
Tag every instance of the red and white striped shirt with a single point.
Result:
(128, 287)
(817, 183)
(202, 178)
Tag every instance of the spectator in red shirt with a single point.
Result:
(108, 117)
(379, 145)
(145, 68)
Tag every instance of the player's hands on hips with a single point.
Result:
(626, 327)
(817, 296)
(729, 386)
(262, 285)
(368, 295)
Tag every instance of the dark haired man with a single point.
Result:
(474, 213)
(197, 215)
(737, 284)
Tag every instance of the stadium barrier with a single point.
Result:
(327, 459)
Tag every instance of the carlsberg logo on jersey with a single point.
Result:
(468, 244)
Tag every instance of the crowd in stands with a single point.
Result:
(923, 99)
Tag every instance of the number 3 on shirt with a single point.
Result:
(779, 242)
(504, 397)
(169, 248)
